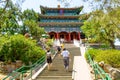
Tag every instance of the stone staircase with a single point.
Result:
(57, 71)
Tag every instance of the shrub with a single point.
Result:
(92, 53)
(111, 57)
(49, 42)
(17, 47)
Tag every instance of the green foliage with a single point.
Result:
(103, 27)
(30, 21)
(30, 15)
(49, 42)
(17, 47)
(10, 17)
(105, 46)
(111, 57)
(92, 53)
(34, 29)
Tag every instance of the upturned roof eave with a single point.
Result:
(79, 9)
(48, 8)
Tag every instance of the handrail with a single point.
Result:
(18, 73)
(98, 71)
(15, 74)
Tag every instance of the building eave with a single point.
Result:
(43, 24)
(73, 8)
(78, 9)
(81, 17)
(58, 17)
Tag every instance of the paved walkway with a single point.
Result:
(58, 72)
(81, 71)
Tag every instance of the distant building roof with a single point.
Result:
(78, 9)
(48, 8)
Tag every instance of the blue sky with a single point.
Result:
(35, 4)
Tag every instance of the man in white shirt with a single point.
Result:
(66, 55)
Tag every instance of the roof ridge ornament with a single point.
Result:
(66, 3)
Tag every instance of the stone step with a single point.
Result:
(57, 71)
(54, 78)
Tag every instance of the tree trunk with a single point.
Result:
(112, 44)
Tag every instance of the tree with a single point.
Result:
(103, 24)
(34, 29)
(30, 21)
(9, 20)
(103, 27)
(30, 15)
(4, 4)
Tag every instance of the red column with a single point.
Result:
(57, 35)
(78, 35)
(69, 37)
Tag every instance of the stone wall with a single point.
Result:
(9, 67)
(113, 72)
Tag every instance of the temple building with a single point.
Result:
(62, 23)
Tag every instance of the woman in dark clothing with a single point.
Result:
(58, 50)
(49, 59)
